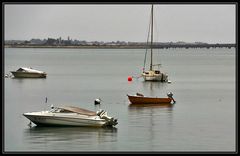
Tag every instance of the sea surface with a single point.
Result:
(203, 83)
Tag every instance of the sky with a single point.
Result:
(209, 23)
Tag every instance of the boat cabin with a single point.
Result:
(153, 71)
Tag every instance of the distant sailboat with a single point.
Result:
(151, 74)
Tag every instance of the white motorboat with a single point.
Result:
(71, 116)
(24, 72)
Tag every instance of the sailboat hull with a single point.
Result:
(152, 78)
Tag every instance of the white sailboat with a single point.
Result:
(153, 74)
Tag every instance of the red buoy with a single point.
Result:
(129, 78)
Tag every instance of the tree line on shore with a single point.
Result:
(51, 42)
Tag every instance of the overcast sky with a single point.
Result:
(189, 23)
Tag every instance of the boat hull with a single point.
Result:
(28, 75)
(161, 105)
(148, 100)
(54, 120)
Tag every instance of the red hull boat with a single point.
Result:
(141, 99)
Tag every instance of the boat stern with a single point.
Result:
(109, 121)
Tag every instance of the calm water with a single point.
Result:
(203, 84)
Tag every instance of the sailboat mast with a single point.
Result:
(151, 37)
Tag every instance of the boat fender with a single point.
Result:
(170, 94)
(97, 101)
(130, 78)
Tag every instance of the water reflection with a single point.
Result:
(154, 87)
(27, 80)
(160, 105)
(151, 120)
(74, 137)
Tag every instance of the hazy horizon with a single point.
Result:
(128, 22)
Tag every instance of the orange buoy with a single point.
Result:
(129, 78)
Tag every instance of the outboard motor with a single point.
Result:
(100, 112)
(97, 101)
(170, 95)
(110, 121)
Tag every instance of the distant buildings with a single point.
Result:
(60, 42)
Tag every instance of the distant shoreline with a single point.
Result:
(78, 47)
(126, 46)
